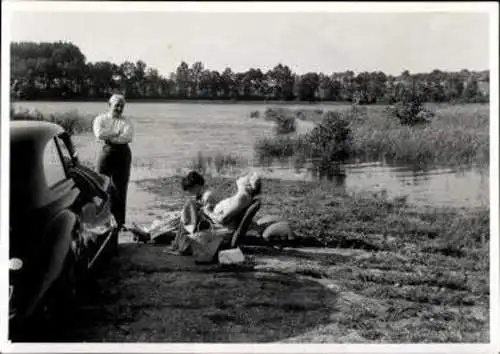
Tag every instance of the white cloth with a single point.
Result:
(232, 205)
(115, 130)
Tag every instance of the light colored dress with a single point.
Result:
(223, 218)
(228, 211)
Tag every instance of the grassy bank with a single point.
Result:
(457, 135)
(319, 211)
(416, 274)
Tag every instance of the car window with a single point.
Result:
(52, 164)
(64, 150)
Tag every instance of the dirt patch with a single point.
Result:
(147, 295)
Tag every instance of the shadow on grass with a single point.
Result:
(184, 302)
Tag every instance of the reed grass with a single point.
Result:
(457, 135)
(213, 164)
(71, 121)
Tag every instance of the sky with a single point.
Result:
(318, 42)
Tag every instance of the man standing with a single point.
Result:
(116, 131)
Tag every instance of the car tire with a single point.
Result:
(62, 300)
(55, 312)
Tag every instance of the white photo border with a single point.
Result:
(8, 7)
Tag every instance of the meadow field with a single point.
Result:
(367, 267)
(457, 136)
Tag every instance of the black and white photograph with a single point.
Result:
(270, 173)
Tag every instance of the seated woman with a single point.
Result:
(207, 223)
(203, 214)
(229, 211)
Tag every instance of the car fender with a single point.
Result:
(58, 238)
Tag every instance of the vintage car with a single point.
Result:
(60, 223)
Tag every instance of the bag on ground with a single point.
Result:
(205, 244)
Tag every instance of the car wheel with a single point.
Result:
(63, 295)
(55, 311)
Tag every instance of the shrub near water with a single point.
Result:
(457, 135)
(330, 141)
(283, 118)
(71, 121)
(411, 111)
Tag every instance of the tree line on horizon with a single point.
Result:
(59, 70)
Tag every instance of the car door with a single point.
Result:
(41, 239)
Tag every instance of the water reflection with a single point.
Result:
(463, 187)
(334, 173)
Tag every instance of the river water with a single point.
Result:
(170, 135)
